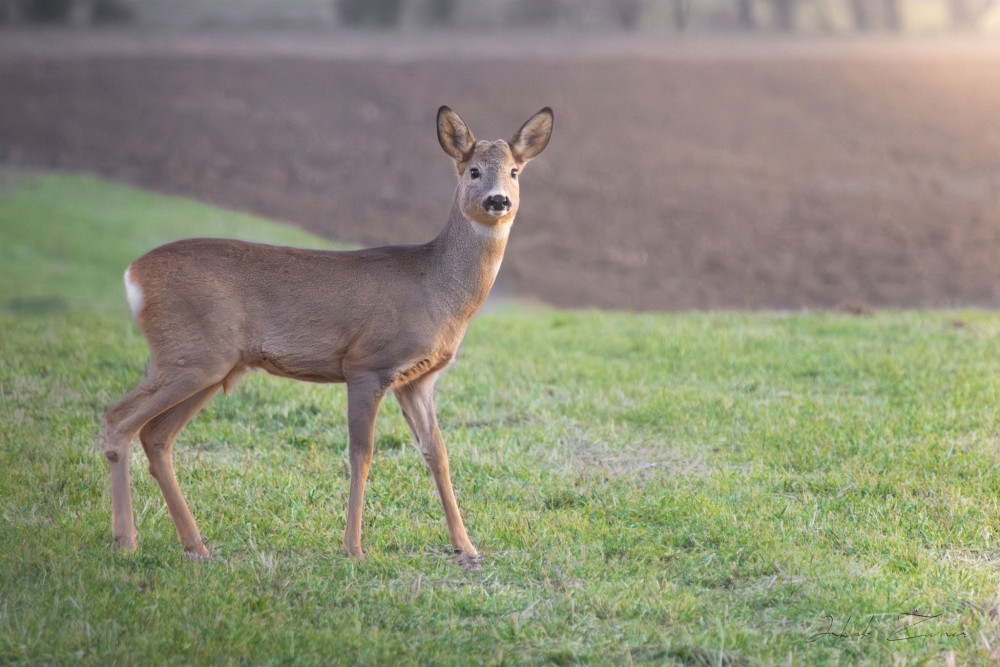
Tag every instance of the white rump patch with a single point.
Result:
(133, 293)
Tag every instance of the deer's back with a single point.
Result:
(302, 313)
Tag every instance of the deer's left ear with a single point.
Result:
(533, 136)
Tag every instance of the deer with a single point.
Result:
(381, 320)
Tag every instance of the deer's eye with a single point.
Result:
(513, 173)
(474, 173)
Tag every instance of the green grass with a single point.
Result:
(67, 239)
(704, 489)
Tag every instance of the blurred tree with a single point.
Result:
(441, 12)
(357, 13)
(745, 9)
(387, 12)
(784, 14)
(891, 15)
(47, 11)
(536, 12)
(628, 12)
(866, 14)
(682, 9)
(967, 13)
(10, 12)
(961, 13)
(350, 12)
(859, 12)
(63, 11)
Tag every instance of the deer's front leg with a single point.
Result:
(364, 395)
(417, 401)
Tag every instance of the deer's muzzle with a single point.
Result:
(497, 203)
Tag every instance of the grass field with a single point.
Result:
(705, 488)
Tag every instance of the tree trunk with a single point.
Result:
(441, 12)
(961, 13)
(784, 14)
(891, 15)
(859, 12)
(381, 13)
(747, 20)
(47, 11)
(535, 12)
(628, 12)
(967, 13)
(387, 13)
(681, 10)
(351, 12)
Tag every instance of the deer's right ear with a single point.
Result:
(454, 135)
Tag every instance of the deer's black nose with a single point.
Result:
(497, 203)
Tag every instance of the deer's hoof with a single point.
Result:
(355, 552)
(126, 543)
(200, 552)
(469, 560)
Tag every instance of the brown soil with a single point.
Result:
(679, 176)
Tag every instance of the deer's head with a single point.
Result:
(488, 191)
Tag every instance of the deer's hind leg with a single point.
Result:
(156, 394)
(157, 438)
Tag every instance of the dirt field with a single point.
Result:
(680, 175)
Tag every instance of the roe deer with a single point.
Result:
(381, 319)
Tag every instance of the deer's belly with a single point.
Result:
(305, 366)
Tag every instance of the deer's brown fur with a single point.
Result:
(381, 319)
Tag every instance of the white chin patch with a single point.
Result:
(498, 231)
(133, 293)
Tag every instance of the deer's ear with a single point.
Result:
(454, 135)
(533, 136)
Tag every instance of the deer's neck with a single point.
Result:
(469, 257)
